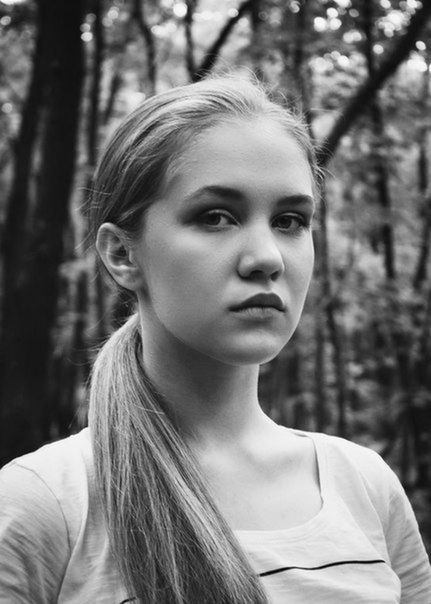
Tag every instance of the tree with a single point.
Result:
(361, 98)
(30, 298)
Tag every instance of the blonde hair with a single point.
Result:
(171, 543)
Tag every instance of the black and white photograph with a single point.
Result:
(215, 301)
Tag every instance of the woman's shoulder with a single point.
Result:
(55, 477)
(347, 454)
(57, 462)
(52, 534)
(43, 499)
(56, 455)
(357, 472)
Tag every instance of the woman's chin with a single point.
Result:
(234, 349)
(251, 354)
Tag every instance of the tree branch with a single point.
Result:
(213, 52)
(362, 97)
(190, 47)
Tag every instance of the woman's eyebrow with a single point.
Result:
(219, 191)
(237, 195)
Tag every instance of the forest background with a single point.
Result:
(359, 365)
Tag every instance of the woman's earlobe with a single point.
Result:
(117, 255)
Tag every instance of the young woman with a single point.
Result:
(182, 491)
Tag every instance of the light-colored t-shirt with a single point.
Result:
(363, 547)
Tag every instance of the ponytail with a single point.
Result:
(171, 543)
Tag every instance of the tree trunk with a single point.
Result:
(321, 414)
(294, 58)
(114, 87)
(96, 76)
(382, 187)
(70, 365)
(147, 34)
(412, 444)
(300, 67)
(328, 305)
(378, 146)
(31, 306)
(19, 198)
(420, 273)
(257, 46)
(117, 69)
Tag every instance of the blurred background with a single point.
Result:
(359, 365)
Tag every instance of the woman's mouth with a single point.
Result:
(261, 305)
(258, 312)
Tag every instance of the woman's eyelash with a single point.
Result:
(205, 217)
(213, 218)
(302, 221)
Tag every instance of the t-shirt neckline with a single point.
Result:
(301, 530)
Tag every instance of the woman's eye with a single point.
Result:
(215, 218)
(290, 222)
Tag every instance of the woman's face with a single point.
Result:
(233, 223)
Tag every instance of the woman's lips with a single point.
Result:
(258, 312)
(262, 300)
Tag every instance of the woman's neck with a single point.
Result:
(213, 403)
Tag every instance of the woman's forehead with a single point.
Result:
(239, 152)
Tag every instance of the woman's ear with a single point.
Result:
(117, 255)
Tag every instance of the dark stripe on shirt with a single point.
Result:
(283, 568)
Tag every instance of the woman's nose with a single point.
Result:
(261, 255)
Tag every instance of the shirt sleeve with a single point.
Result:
(405, 547)
(34, 544)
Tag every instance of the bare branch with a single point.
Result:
(213, 52)
(362, 97)
(190, 47)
